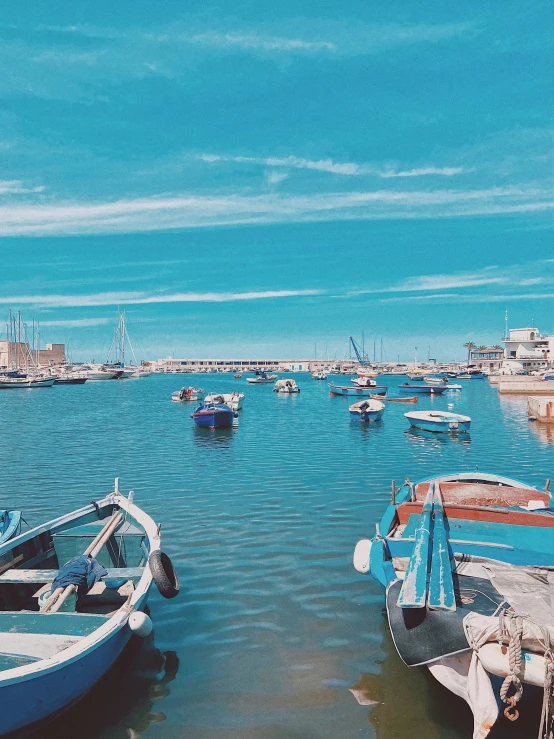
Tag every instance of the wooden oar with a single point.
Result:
(59, 596)
(413, 593)
(441, 586)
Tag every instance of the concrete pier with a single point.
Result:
(541, 409)
(530, 387)
(495, 379)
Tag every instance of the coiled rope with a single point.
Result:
(513, 679)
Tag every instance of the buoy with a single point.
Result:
(362, 554)
(140, 624)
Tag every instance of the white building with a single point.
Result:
(527, 350)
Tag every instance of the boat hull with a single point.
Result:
(219, 418)
(70, 381)
(440, 427)
(367, 416)
(18, 384)
(422, 389)
(359, 392)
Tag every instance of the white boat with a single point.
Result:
(363, 381)
(262, 378)
(438, 421)
(435, 380)
(455, 386)
(97, 372)
(233, 400)
(13, 383)
(287, 387)
(319, 376)
(186, 394)
(367, 411)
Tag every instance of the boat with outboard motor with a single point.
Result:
(286, 387)
(233, 400)
(261, 378)
(52, 654)
(215, 416)
(422, 389)
(438, 421)
(319, 376)
(187, 394)
(367, 411)
(466, 560)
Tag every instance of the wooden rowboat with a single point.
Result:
(394, 400)
(54, 646)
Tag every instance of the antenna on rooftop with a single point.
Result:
(506, 320)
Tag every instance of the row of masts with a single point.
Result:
(27, 346)
(116, 353)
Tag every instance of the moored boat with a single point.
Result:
(53, 654)
(13, 383)
(367, 411)
(261, 378)
(354, 390)
(438, 421)
(388, 399)
(319, 376)
(466, 562)
(237, 376)
(69, 380)
(233, 400)
(187, 394)
(214, 416)
(286, 387)
(422, 389)
(363, 381)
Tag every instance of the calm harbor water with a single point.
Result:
(274, 635)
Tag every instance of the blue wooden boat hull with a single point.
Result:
(422, 389)
(367, 416)
(441, 427)
(218, 418)
(55, 689)
(358, 392)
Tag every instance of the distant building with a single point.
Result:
(487, 359)
(230, 365)
(526, 350)
(18, 354)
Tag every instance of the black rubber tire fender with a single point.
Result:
(163, 574)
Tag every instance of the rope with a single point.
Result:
(545, 731)
(515, 630)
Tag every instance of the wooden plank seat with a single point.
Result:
(513, 517)
(16, 575)
(471, 493)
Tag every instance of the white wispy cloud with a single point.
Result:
(144, 298)
(328, 165)
(16, 187)
(504, 298)
(192, 211)
(253, 41)
(78, 322)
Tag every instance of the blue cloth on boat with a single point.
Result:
(81, 571)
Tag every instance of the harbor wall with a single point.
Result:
(541, 408)
(530, 387)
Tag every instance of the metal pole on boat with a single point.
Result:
(393, 493)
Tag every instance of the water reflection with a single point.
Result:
(544, 432)
(212, 438)
(418, 436)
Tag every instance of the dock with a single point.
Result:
(541, 408)
(529, 387)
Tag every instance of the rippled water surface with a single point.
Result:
(274, 635)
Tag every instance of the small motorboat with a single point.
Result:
(286, 387)
(69, 380)
(233, 400)
(72, 593)
(214, 416)
(319, 376)
(435, 380)
(466, 562)
(387, 399)
(438, 421)
(356, 390)
(261, 378)
(13, 383)
(454, 386)
(422, 389)
(363, 382)
(10, 525)
(237, 377)
(187, 394)
(471, 375)
(367, 411)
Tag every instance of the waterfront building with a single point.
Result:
(230, 365)
(527, 350)
(18, 354)
(487, 359)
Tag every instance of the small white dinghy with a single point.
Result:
(286, 386)
(438, 421)
(233, 400)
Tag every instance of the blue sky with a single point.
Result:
(263, 177)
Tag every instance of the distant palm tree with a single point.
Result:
(497, 346)
(481, 348)
(470, 346)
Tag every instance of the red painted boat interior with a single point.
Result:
(482, 494)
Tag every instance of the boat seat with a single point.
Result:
(19, 576)
(471, 493)
(49, 624)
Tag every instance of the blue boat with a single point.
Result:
(55, 646)
(408, 389)
(367, 411)
(466, 561)
(357, 391)
(214, 416)
(439, 421)
(10, 525)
